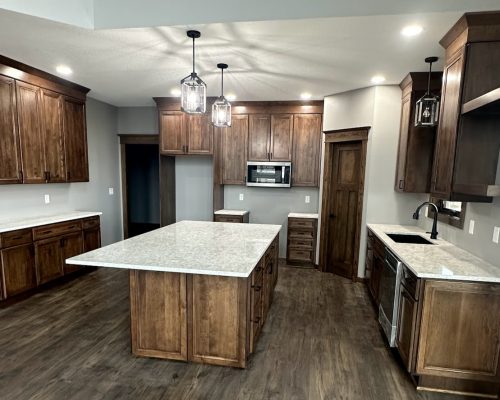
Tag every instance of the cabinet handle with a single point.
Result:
(63, 242)
(21, 176)
(187, 149)
(68, 175)
(256, 320)
(256, 288)
(270, 158)
(401, 184)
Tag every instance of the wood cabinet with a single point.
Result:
(306, 149)
(270, 137)
(375, 264)
(234, 151)
(182, 134)
(10, 152)
(301, 241)
(227, 217)
(42, 124)
(416, 144)
(34, 256)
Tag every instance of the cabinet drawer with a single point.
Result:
(301, 234)
(300, 255)
(89, 223)
(301, 223)
(47, 231)
(15, 238)
(227, 218)
(304, 244)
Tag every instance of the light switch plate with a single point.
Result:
(496, 234)
(241, 197)
(47, 198)
(111, 191)
(471, 227)
(308, 199)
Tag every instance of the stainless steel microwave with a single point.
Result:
(269, 174)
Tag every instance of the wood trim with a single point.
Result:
(338, 136)
(477, 26)
(34, 76)
(138, 139)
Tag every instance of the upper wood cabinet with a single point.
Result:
(306, 149)
(416, 144)
(234, 151)
(181, 133)
(270, 137)
(468, 144)
(43, 136)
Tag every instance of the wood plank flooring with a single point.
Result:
(321, 341)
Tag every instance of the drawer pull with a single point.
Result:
(256, 320)
(256, 288)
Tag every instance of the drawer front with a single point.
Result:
(16, 238)
(301, 223)
(410, 282)
(300, 255)
(301, 234)
(227, 218)
(305, 244)
(47, 231)
(89, 223)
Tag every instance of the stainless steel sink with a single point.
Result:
(408, 238)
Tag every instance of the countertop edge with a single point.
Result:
(51, 220)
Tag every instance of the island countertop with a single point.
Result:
(192, 247)
(442, 260)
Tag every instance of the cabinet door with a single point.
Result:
(18, 269)
(403, 143)
(48, 257)
(306, 149)
(374, 283)
(200, 135)
(30, 132)
(407, 326)
(460, 331)
(259, 128)
(52, 125)
(234, 151)
(72, 245)
(444, 155)
(75, 140)
(172, 133)
(91, 239)
(281, 137)
(10, 153)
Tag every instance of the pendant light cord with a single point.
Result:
(222, 84)
(429, 79)
(193, 56)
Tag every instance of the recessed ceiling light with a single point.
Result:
(378, 79)
(305, 96)
(231, 97)
(175, 92)
(412, 30)
(64, 70)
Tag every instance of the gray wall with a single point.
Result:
(28, 200)
(271, 205)
(138, 120)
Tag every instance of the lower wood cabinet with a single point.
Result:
(48, 256)
(227, 217)
(301, 241)
(71, 245)
(18, 269)
(406, 337)
(375, 265)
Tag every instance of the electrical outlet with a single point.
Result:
(47, 199)
(471, 227)
(111, 191)
(308, 199)
(496, 234)
(241, 197)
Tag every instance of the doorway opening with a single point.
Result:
(342, 202)
(141, 184)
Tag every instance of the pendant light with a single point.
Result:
(193, 89)
(221, 109)
(427, 107)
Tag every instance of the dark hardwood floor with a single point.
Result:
(321, 341)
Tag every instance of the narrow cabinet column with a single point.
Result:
(259, 128)
(10, 153)
(30, 131)
(234, 151)
(75, 139)
(281, 137)
(306, 149)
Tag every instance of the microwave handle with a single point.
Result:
(283, 174)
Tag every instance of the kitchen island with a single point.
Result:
(199, 291)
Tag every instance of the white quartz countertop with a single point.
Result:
(302, 215)
(442, 260)
(15, 223)
(192, 247)
(231, 212)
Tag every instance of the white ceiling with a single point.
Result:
(268, 60)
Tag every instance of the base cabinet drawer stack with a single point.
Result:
(228, 216)
(34, 256)
(301, 241)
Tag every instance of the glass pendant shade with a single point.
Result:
(427, 107)
(221, 109)
(193, 89)
(193, 94)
